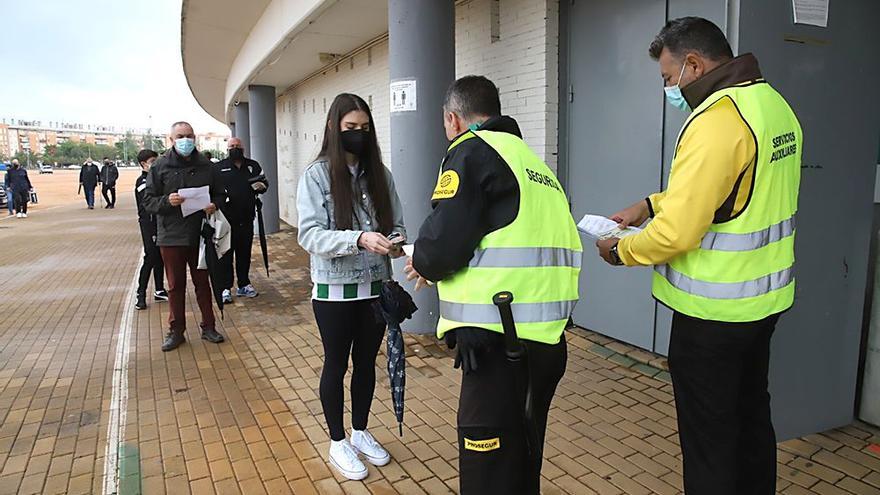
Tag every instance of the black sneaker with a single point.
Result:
(141, 303)
(172, 341)
(160, 295)
(212, 335)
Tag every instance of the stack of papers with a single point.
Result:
(599, 227)
(194, 199)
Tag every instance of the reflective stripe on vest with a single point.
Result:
(487, 314)
(723, 241)
(727, 290)
(514, 257)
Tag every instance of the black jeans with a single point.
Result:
(242, 243)
(21, 199)
(348, 328)
(112, 190)
(719, 374)
(493, 452)
(152, 261)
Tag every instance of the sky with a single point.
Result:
(105, 62)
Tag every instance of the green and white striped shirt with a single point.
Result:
(346, 292)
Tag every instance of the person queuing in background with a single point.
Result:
(209, 156)
(21, 187)
(237, 173)
(109, 176)
(180, 167)
(10, 202)
(722, 243)
(347, 207)
(89, 177)
(500, 222)
(152, 263)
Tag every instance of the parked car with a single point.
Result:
(46, 169)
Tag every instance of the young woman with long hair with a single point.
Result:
(348, 207)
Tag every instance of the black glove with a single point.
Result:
(471, 342)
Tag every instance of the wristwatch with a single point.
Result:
(615, 257)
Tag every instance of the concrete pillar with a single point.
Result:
(242, 129)
(263, 148)
(421, 49)
(232, 128)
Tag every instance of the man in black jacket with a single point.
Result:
(21, 188)
(147, 221)
(181, 167)
(89, 177)
(109, 176)
(242, 181)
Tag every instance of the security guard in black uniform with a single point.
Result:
(243, 179)
(152, 256)
(500, 222)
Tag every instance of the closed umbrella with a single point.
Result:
(262, 231)
(395, 305)
(213, 262)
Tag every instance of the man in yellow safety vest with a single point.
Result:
(500, 222)
(722, 244)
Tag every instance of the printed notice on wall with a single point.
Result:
(811, 12)
(403, 96)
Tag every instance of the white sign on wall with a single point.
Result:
(404, 96)
(810, 12)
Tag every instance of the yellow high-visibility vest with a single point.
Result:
(537, 257)
(744, 268)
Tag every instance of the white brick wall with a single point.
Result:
(523, 62)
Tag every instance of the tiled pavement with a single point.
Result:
(244, 417)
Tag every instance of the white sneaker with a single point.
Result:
(19, 216)
(24, 215)
(344, 458)
(364, 443)
(227, 296)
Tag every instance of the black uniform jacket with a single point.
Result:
(145, 218)
(170, 173)
(109, 174)
(487, 199)
(240, 196)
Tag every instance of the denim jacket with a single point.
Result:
(335, 255)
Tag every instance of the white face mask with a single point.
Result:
(674, 95)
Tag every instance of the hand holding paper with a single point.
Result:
(194, 199)
(599, 227)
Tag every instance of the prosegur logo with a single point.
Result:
(482, 445)
(447, 185)
(784, 146)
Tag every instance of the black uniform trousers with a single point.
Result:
(152, 261)
(240, 251)
(111, 197)
(494, 456)
(20, 199)
(719, 375)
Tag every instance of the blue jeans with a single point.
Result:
(10, 201)
(90, 195)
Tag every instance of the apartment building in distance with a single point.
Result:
(19, 135)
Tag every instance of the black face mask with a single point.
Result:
(236, 153)
(355, 141)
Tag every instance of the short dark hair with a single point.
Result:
(105, 158)
(144, 155)
(691, 34)
(473, 96)
(208, 155)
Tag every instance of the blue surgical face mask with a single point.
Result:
(674, 96)
(185, 146)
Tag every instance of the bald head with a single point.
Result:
(234, 143)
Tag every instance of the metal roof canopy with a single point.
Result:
(227, 45)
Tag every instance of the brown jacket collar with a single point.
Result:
(731, 73)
